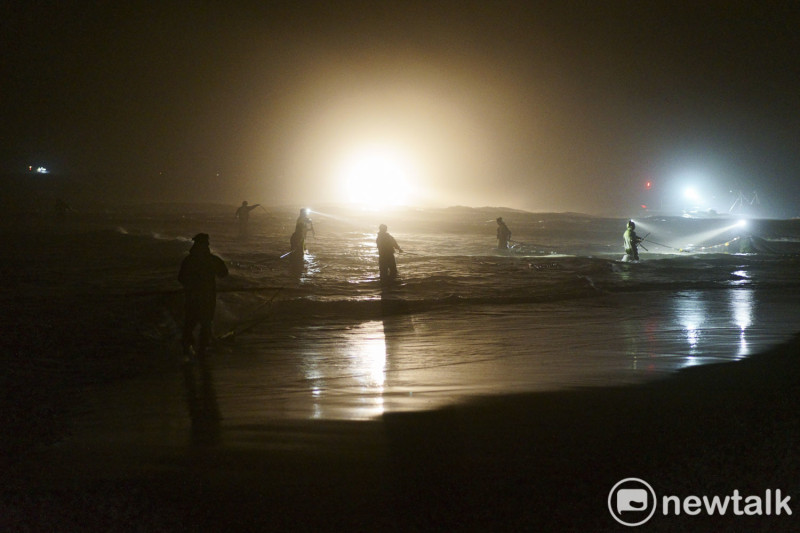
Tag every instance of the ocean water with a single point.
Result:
(95, 296)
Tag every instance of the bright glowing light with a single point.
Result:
(376, 177)
(642, 227)
(742, 223)
(691, 193)
(705, 236)
(42, 170)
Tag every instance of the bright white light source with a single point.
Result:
(691, 193)
(742, 223)
(376, 177)
(41, 170)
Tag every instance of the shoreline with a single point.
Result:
(83, 450)
(539, 461)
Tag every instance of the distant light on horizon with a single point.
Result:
(691, 193)
(376, 177)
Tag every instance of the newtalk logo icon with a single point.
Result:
(632, 502)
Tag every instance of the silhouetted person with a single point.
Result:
(298, 239)
(198, 275)
(503, 234)
(386, 247)
(243, 214)
(631, 242)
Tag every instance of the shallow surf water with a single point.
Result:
(326, 340)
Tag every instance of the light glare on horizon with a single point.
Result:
(691, 194)
(376, 177)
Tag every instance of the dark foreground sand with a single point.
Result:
(537, 462)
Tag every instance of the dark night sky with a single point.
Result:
(552, 106)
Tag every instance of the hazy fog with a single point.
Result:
(550, 106)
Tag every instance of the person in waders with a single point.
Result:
(503, 234)
(386, 247)
(631, 242)
(198, 275)
(298, 238)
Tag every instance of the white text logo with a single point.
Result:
(632, 502)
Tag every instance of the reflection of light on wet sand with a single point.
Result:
(741, 304)
(335, 369)
(706, 322)
(363, 368)
(691, 313)
(368, 358)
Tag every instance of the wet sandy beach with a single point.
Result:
(329, 369)
(481, 420)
